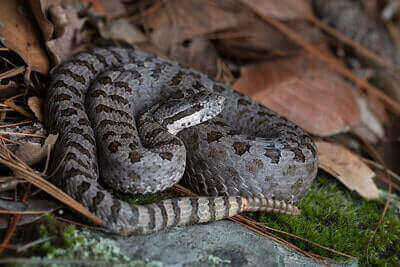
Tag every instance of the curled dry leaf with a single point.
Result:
(303, 90)
(371, 128)
(120, 29)
(198, 53)
(33, 153)
(348, 168)
(35, 104)
(64, 26)
(176, 21)
(19, 34)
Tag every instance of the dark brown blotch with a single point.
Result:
(84, 122)
(312, 149)
(126, 135)
(213, 136)
(62, 84)
(76, 77)
(99, 57)
(166, 155)
(115, 208)
(199, 86)
(119, 99)
(133, 175)
(273, 154)
(244, 102)
(62, 97)
(135, 156)
(97, 199)
(123, 85)
(298, 154)
(107, 135)
(68, 112)
(83, 187)
(176, 80)
(73, 172)
(133, 145)
(80, 148)
(113, 146)
(89, 66)
(97, 93)
(117, 56)
(78, 106)
(104, 80)
(102, 108)
(241, 148)
(218, 88)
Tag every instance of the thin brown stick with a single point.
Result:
(26, 212)
(23, 134)
(348, 41)
(15, 124)
(23, 171)
(12, 72)
(14, 224)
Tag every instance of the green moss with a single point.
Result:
(67, 243)
(334, 217)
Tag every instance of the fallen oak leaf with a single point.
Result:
(304, 91)
(348, 168)
(35, 104)
(19, 34)
(32, 153)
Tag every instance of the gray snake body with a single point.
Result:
(142, 121)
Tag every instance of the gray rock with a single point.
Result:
(222, 243)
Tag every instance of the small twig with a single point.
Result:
(26, 212)
(348, 41)
(12, 72)
(34, 243)
(23, 134)
(15, 124)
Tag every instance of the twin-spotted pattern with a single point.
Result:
(248, 151)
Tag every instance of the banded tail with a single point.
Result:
(192, 210)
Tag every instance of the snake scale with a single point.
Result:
(134, 122)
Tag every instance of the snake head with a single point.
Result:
(178, 114)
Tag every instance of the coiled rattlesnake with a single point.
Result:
(246, 152)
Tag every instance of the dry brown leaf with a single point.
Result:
(348, 168)
(8, 90)
(120, 29)
(303, 90)
(283, 9)
(33, 153)
(176, 21)
(199, 54)
(35, 104)
(10, 103)
(371, 128)
(64, 26)
(19, 34)
(107, 7)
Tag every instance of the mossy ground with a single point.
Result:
(334, 217)
(331, 216)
